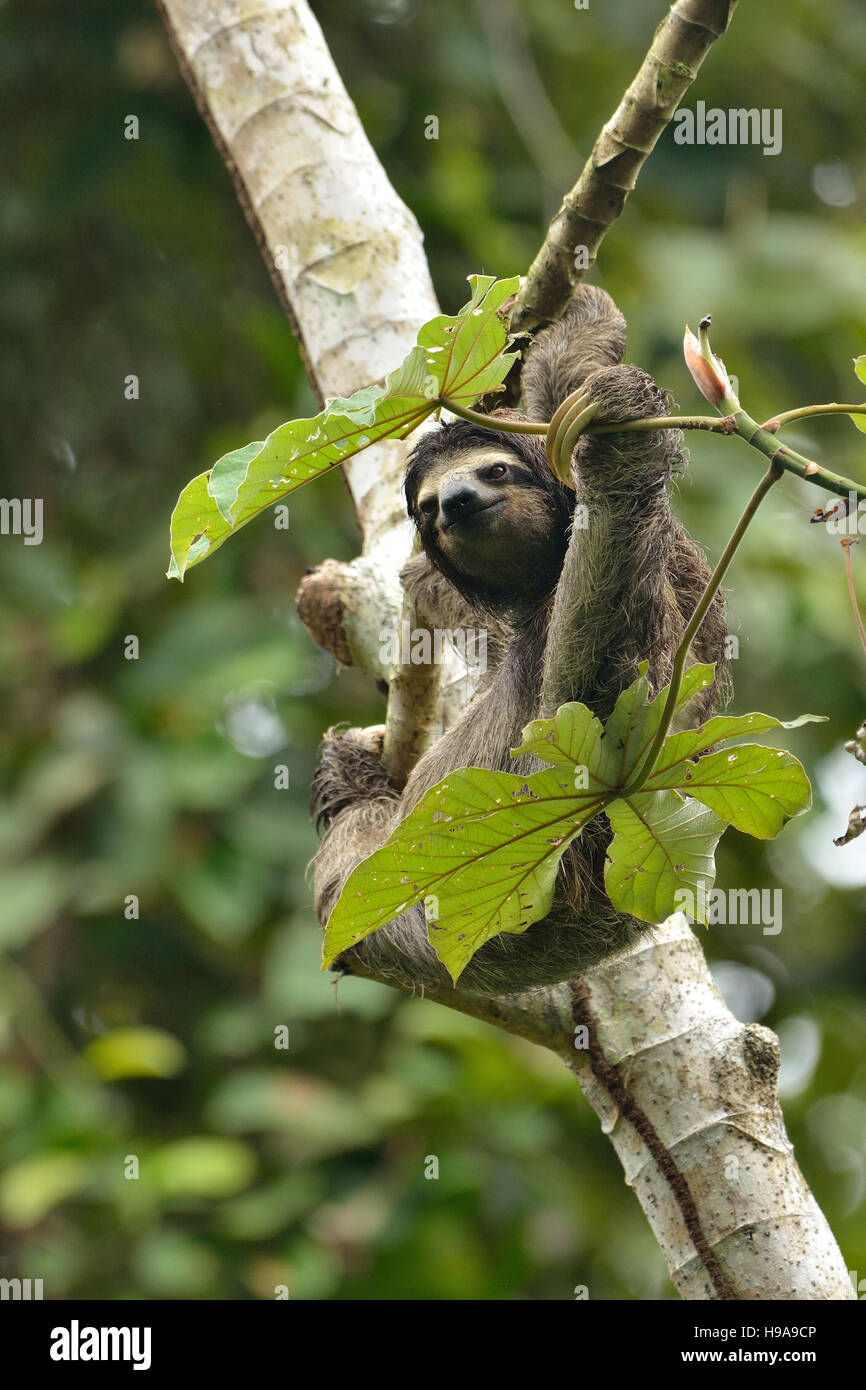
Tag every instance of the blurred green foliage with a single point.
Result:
(158, 1140)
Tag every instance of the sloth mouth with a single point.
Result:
(476, 511)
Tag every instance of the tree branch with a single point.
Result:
(346, 257)
(680, 45)
(687, 1096)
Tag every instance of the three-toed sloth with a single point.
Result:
(576, 608)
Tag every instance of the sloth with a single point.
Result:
(578, 587)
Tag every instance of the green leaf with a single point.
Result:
(753, 788)
(136, 1052)
(722, 727)
(227, 475)
(471, 345)
(304, 449)
(32, 1187)
(461, 357)
(634, 723)
(485, 845)
(203, 1166)
(573, 738)
(482, 849)
(33, 894)
(198, 527)
(661, 845)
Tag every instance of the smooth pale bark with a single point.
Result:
(347, 260)
(686, 1093)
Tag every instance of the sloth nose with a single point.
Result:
(457, 500)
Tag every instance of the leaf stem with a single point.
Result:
(735, 422)
(772, 475)
(492, 422)
(726, 425)
(713, 423)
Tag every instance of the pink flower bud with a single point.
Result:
(711, 379)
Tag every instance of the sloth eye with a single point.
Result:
(428, 504)
(496, 470)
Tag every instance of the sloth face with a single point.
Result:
(481, 511)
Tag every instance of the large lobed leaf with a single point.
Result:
(482, 849)
(661, 845)
(753, 788)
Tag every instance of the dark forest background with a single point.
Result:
(154, 1038)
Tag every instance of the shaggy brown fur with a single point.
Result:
(575, 607)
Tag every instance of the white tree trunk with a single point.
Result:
(706, 1112)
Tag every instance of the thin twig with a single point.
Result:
(847, 542)
(772, 475)
(803, 412)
